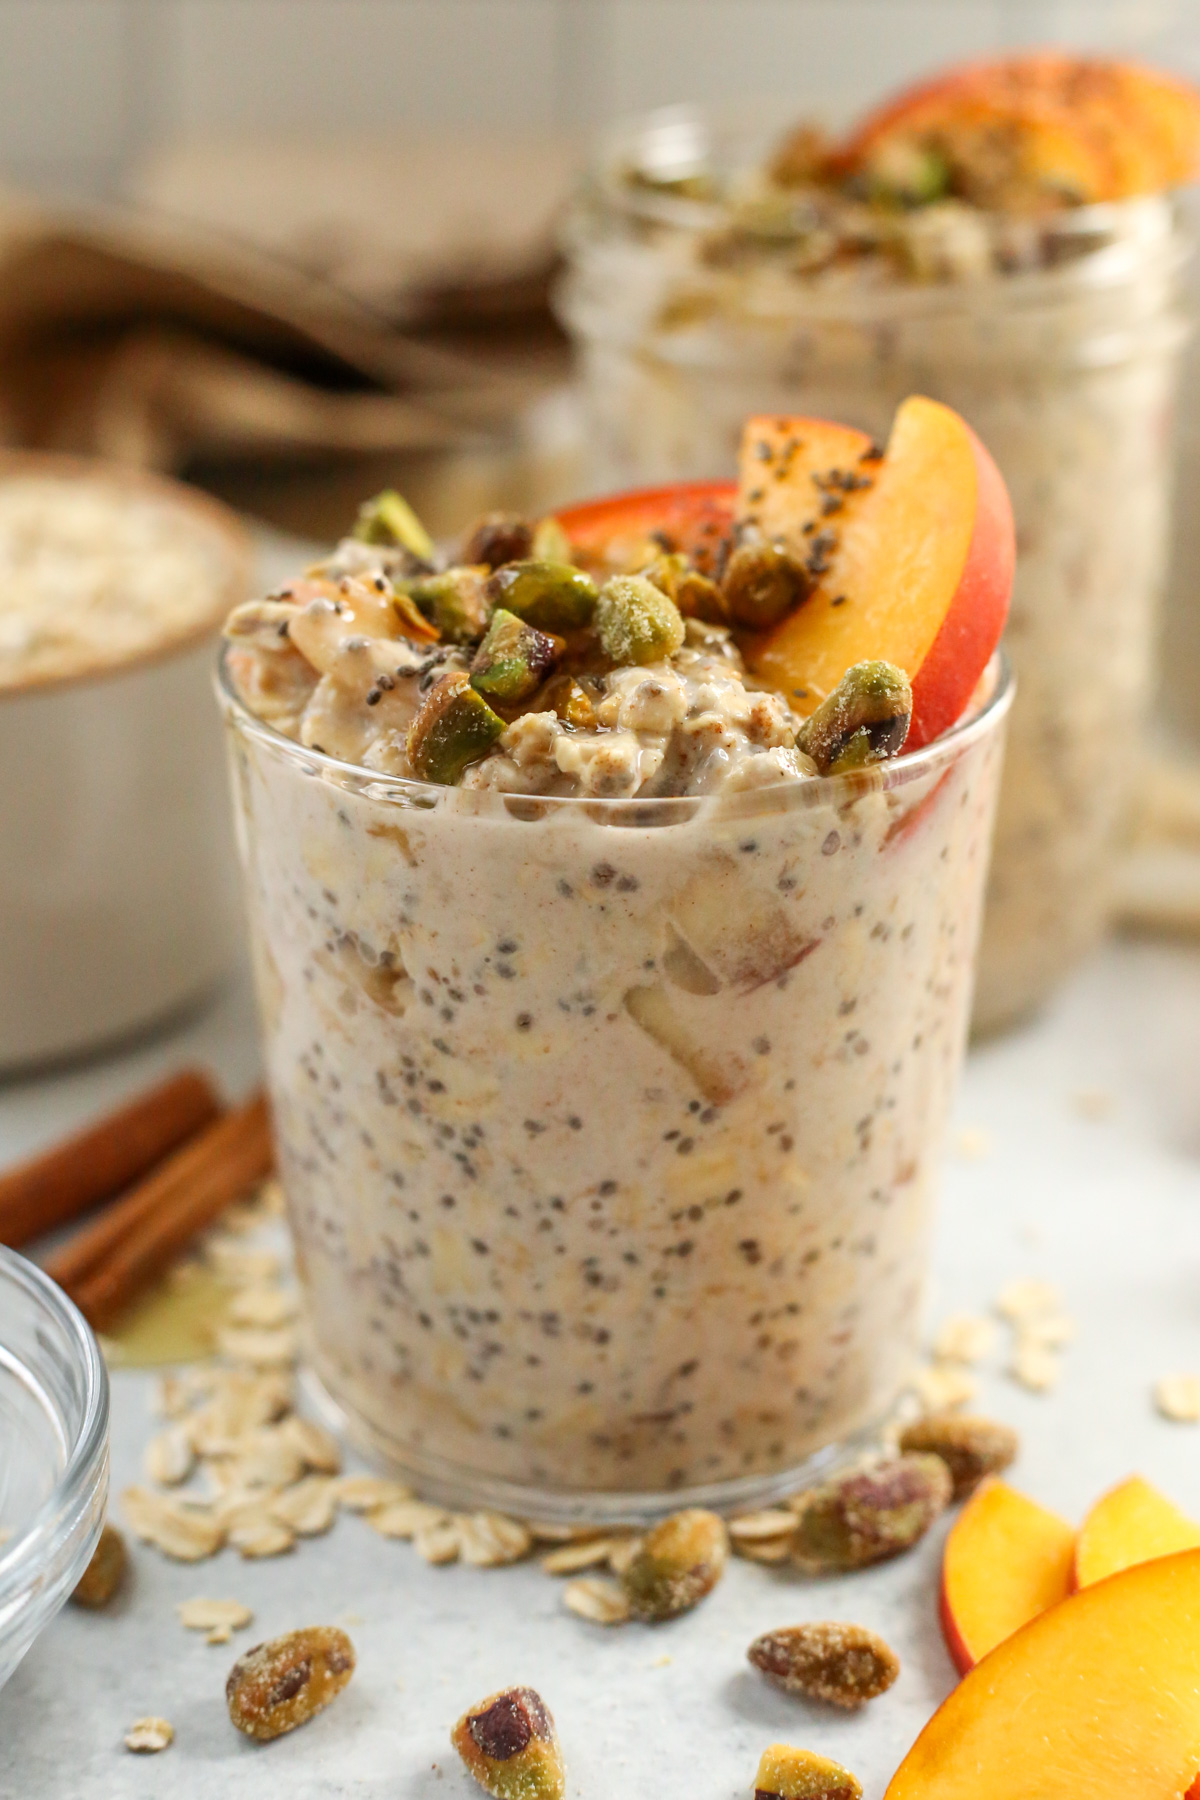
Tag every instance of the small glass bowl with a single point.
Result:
(53, 1452)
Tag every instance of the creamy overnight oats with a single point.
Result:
(1002, 239)
(612, 996)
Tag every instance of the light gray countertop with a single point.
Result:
(1108, 1207)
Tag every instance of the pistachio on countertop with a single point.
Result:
(786, 1773)
(970, 1447)
(870, 1514)
(509, 1744)
(679, 1562)
(846, 1665)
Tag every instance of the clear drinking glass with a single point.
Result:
(53, 1452)
(1066, 367)
(610, 1129)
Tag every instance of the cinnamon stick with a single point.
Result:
(104, 1158)
(107, 1265)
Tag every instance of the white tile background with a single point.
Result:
(87, 84)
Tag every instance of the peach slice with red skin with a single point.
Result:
(1131, 1524)
(1006, 1560)
(1026, 130)
(918, 572)
(1099, 1695)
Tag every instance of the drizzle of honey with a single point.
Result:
(176, 1321)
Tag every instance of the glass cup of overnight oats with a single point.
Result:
(609, 1056)
(715, 271)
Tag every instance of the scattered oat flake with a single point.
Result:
(490, 1540)
(769, 1523)
(363, 1493)
(145, 1736)
(170, 1456)
(1026, 1299)
(1035, 1367)
(232, 1259)
(597, 1600)
(546, 1533)
(405, 1518)
(263, 1305)
(572, 1559)
(1177, 1397)
(439, 1543)
(257, 1347)
(255, 1533)
(1052, 1333)
(972, 1144)
(1094, 1103)
(309, 1508)
(623, 1553)
(964, 1338)
(943, 1387)
(218, 1619)
(318, 1448)
(764, 1550)
(180, 1529)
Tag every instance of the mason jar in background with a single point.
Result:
(1067, 369)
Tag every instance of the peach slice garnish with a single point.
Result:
(1098, 1696)
(1006, 1560)
(917, 569)
(1131, 1524)
(1031, 129)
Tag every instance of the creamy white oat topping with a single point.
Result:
(325, 665)
(94, 573)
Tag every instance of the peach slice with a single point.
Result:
(1026, 132)
(916, 569)
(1131, 1524)
(1100, 1695)
(1006, 1560)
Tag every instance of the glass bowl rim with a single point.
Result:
(33, 1547)
(404, 791)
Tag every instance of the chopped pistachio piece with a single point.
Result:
(846, 1665)
(550, 541)
(454, 727)
(871, 1514)
(970, 1447)
(693, 593)
(389, 519)
(762, 583)
(637, 622)
(554, 596)
(865, 719)
(498, 538)
(571, 703)
(907, 174)
(455, 601)
(282, 1683)
(785, 1773)
(105, 1573)
(513, 659)
(509, 1744)
(680, 1561)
